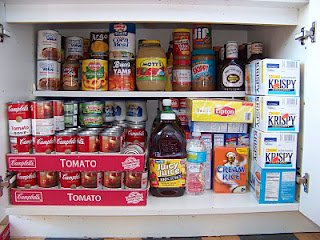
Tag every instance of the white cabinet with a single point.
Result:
(270, 21)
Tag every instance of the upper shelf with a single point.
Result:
(248, 12)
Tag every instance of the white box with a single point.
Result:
(273, 77)
(276, 114)
(207, 139)
(274, 150)
(217, 127)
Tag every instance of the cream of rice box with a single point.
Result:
(273, 77)
(276, 113)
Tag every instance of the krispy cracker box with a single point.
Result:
(219, 110)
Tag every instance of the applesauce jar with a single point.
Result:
(151, 65)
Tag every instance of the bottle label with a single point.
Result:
(151, 69)
(232, 50)
(197, 157)
(182, 77)
(256, 48)
(232, 76)
(167, 173)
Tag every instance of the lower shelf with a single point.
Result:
(206, 204)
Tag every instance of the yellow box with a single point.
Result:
(219, 110)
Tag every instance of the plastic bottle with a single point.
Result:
(196, 151)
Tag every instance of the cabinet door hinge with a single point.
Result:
(3, 33)
(304, 34)
(304, 181)
(7, 182)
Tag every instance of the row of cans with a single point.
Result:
(76, 180)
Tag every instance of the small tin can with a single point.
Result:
(48, 179)
(112, 179)
(43, 144)
(87, 142)
(58, 115)
(70, 179)
(26, 179)
(136, 180)
(90, 179)
(120, 110)
(109, 111)
(48, 75)
(21, 144)
(70, 121)
(91, 120)
(136, 133)
(110, 141)
(74, 48)
(136, 111)
(71, 75)
(99, 45)
(122, 75)
(71, 108)
(49, 45)
(66, 142)
(201, 36)
(94, 107)
(19, 117)
(94, 75)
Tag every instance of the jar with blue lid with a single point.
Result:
(203, 70)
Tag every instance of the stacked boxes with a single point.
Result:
(275, 86)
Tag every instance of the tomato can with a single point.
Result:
(90, 179)
(19, 118)
(110, 141)
(94, 107)
(43, 144)
(122, 75)
(21, 144)
(48, 75)
(136, 180)
(58, 115)
(113, 179)
(74, 48)
(182, 44)
(70, 179)
(71, 75)
(26, 179)
(42, 118)
(49, 45)
(94, 75)
(136, 133)
(47, 179)
(99, 45)
(87, 142)
(66, 142)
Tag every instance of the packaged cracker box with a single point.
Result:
(273, 77)
(219, 110)
(274, 150)
(230, 169)
(276, 113)
(218, 127)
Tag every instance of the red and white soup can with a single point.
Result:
(90, 179)
(66, 142)
(19, 118)
(136, 133)
(48, 179)
(70, 179)
(43, 144)
(42, 118)
(21, 144)
(26, 179)
(112, 179)
(58, 115)
(87, 142)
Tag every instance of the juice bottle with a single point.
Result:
(167, 158)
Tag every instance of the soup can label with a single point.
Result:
(70, 179)
(43, 144)
(42, 127)
(66, 143)
(112, 179)
(41, 109)
(90, 179)
(99, 45)
(21, 144)
(94, 75)
(49, 45)
(26, 179)
(122, 75)
(48, 179)
(19, 118)
(136, 180)
(122, 41)
(87, 143)
(74, 48)
(48, 75)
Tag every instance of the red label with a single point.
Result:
(70, 179)
(26, 179)
(66, 144)
(90, 179)
(24, 162)
(5, 234)
(112, 179)
(43, 144)
(174, 103)
(21, 144)
(48, 179)
(181, 44)
(183, 102)
(136, 136)
(18, 110)
(87, 143)
(225, 111)
(58, 108)
(200, 68)
(183, 118)
(28, 197)
(41, 110)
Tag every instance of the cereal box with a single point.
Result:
(273, 77)
(276, 113)
(230, 169)
(207, 139)
(274, 150)
(273, 185)
(219, 110)
(218, 127)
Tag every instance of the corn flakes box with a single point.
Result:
(230, 169)
(219, 110)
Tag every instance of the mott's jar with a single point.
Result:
(201, 36)
(151, 67)
(181, 44)
(94, 75)
(49, 45)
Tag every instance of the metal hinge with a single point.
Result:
(7, 182)
(304, 34)
(304, 181)
(3, 33)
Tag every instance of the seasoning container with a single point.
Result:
(203, 70)
(201, 36)
(94, 75)
(181, 80)
(74, 48)
(48, 75)
(71, 73)
(151, 67)
(181, 44)
(99, 45)
(49, 45)
(122, 75)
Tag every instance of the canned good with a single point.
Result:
(26, 179)
(136, 180)
(48, 75)
(134, 148)
(99, 45)
(21, 144)
(136, 111)
(49, 45)
(110, 141)
(71, 75)
(94, 107)
(109, 111)
(73, 129)
(136, 133)
(112, 179)
(42, 127)
(19, 118)
(87, 142)
(58, 115)
(97, 130)
(182, 103)
(201, 36)
(175, 104)
(71, 108)
(70, 179)
(48, 179)
(122, 75)
(41, 109)
(122, 41)
(90, 179)
(43, 144)
(94, 75)
(91, 120)
(70, 121)
(120, 110)
(74, 48)
(66, 142)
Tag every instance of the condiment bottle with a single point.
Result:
(256, 51)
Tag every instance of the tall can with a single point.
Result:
(94, 75)
(74, 48)
(49, 45)
(58, 115)
(19, 118)
(122, 41)
(42, 118)
(122, 75)
(201, 36)
(99, 45)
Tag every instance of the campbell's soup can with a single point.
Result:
(26, 179)
(48, 75)
(66, 142)
(136, 133)
(122, 75)
(136, 180)
(120, 110)
(19, 117)
(49, 45)
(70, 179)
(122, 41)
(21, 144)
(136, 111)
(74, 48)
(110, 141)
(133, 148)
(43, 144)
(90, 179)
(47, 179)
(58, 115)
(87, 142)
(42, 118)
(112, 179)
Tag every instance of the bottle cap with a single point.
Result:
(196, 134)
(168, 116)
(166, 102)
